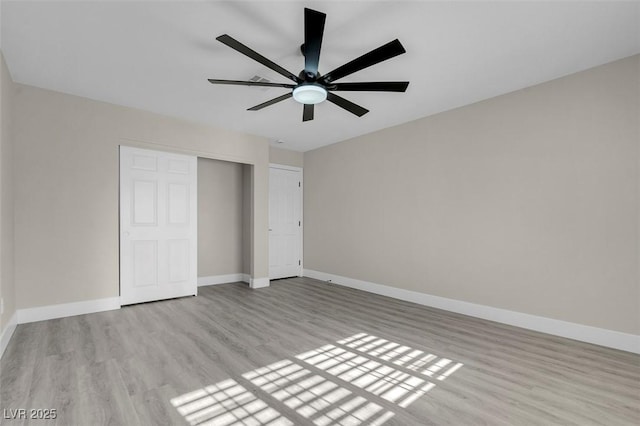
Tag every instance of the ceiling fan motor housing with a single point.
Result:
(308, 76)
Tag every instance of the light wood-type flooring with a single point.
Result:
(307, 352)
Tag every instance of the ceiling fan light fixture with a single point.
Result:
(310, 94)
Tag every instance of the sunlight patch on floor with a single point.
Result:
(378, 379)
(315, 397)
(404, 356)
(226, 403)
(319, 385)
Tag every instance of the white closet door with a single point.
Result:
(158, 225)
(285, 222)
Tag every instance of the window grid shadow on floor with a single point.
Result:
(362, 361)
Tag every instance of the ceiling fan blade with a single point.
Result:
(250, 83)
(377, 86)
(271, 102)
(313, 32)
(307, 112)
(348, 105)
(235, 44)
(382, 53)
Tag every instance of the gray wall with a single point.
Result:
(7, 289)
(220, 217)
(527, 202)
(285, 157)
(66, 189)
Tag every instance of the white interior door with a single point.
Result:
(158, 225)
(285, 222)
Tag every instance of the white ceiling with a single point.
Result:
(157, 55)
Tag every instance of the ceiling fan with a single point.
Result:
(310, 86)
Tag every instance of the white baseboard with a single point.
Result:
(222, 279)
(231, 278)
(259, 282)
(42, 313)
(584, 333)
(6, 334)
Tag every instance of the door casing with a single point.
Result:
(299, 171)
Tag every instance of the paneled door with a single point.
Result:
(285, 222)
(158, 225)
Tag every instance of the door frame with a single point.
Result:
(301, 206)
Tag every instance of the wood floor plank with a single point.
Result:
(152, 408)
(103, 398)
(306, 352)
